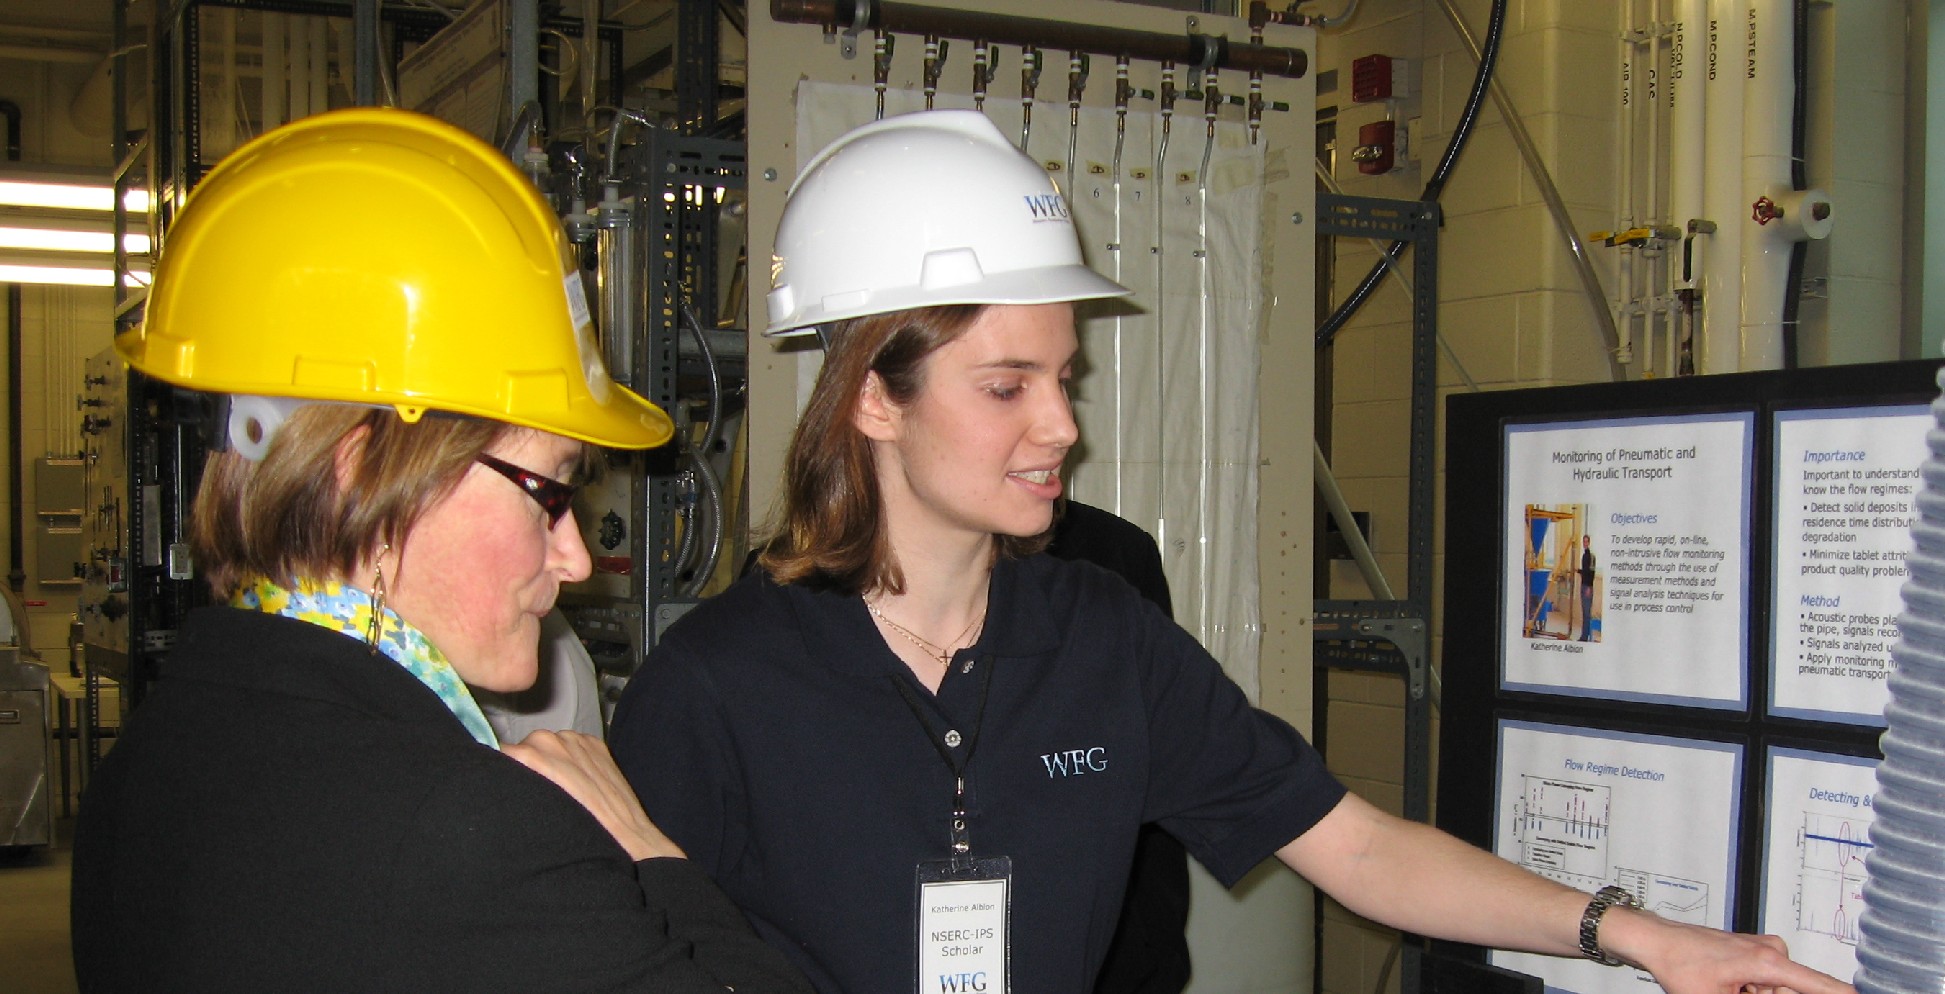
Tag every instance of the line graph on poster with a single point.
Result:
(1830, 874)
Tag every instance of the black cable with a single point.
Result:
(1800, 111)
(1488, 58)
(1799, 180)
(711, 484)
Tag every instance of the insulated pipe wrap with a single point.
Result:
(1902, 950)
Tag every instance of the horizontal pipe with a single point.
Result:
(36, 34)
(1191, 49)
(51, 53)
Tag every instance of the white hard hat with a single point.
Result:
(921, 210)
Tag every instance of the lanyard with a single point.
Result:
(961, 837)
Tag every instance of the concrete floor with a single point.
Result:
(34, 955)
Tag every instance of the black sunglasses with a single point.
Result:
(553, 496)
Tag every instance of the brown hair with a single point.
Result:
(287, 516)
(829, 531)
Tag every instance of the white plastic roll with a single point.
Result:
(1807, 215)
(255, 421)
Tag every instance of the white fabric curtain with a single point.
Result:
(1166, 392)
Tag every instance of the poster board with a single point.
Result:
(1844, 482)
(1623, 565)
(1814, 844)
(1590, 807)
(1693, 467)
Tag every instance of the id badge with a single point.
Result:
(963, 911)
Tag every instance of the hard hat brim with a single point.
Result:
(1036, 286)
(622, 420)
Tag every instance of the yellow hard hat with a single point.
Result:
(383, 257)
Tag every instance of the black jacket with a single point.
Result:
(1150, 952)
(290, 812)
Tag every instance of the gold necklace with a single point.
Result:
(938, 652)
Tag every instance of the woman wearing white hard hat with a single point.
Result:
(917, 752)
(311, 799)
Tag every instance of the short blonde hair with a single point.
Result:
(288, 517)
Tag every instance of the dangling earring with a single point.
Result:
(377, 599)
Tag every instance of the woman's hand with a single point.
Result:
(580, 765)
(1691, 959)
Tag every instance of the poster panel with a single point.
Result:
(1625, 568)
(1814, 843)
(1588, 807)
(1845, 481)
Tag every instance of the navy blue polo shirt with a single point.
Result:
(768, 736)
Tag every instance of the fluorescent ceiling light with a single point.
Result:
(68, 196)
(69, 240)
(68, 275)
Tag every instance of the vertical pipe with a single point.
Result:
(300, 68)
(16, 492)
(1767, 110)
(219, 109)
(1204, 337)
(1652, 108)
(1159, 184)
(1626, 294)
(274, 58)
(591, 48)
(364, 53)
(1653, 254)
(1722, 192)
(1687, 51)
(616, 289)
(1123, 90)
(320, 75)
(523, 52)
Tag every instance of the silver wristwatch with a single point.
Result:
(1590, 921)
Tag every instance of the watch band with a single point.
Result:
(1590, 922)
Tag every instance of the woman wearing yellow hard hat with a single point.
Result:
(311, 798)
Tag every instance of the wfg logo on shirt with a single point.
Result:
(1075, 762)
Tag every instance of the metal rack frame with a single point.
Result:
(682, 243)
(1394, 636)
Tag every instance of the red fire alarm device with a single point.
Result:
(1373, 79)
(1377, 148)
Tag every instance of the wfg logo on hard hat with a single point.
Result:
(1047, 207)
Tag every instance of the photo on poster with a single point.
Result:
(1562, 575)
(1818, 832)
(1625, 569)
(1656, 815)
(1845, 482)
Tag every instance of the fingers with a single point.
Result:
(1790, 977)
(560, 747)
(548, 742)
(581, 766)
